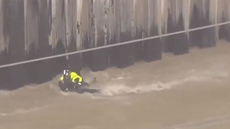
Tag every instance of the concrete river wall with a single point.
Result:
(32, 29)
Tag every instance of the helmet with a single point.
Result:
(66, 72)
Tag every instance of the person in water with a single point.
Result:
(71, 76)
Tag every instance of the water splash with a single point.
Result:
(22, 111)
(6, 93)
(113, 89)
(120, 89)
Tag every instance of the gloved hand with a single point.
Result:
(79, 83)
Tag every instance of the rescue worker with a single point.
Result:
(72, 76)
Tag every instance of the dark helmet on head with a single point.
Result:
(66, 72)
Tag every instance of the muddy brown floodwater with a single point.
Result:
(190, 91)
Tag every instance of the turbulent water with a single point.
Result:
(179, 92)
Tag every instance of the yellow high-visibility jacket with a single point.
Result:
(73, 77)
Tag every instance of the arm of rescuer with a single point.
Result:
(74, 77)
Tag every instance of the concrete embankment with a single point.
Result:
(34, 29)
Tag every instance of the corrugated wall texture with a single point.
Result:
(202, 16)
(3, 43)
(37, 28)
(177, 44)
(223, 15)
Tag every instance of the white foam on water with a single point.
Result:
(82, 127)
(118, 89)
(6, 93)
(112, 89)
(209, 122)
(22, 111)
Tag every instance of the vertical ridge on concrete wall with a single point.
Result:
(111, 29)
(164, 16)
(139, 19)
(58, 28)
(87, 25)
(227, 17)
(177, 44)
(44, 49)
(196, 19)
(17, 74)
(220, 16)
(125, 53)
(113, 57)
(31, 14)
(57, 37)
(45, 70)
(31, 25)
(201, 17)
(153, 27)
(71, 22)
(72, 34)
(86, 28)
(211, 32)
(79, 10)
(3, 44)
(213, 20)
(99, 58)
(86, 17)
(186, 6)
(223, 16)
